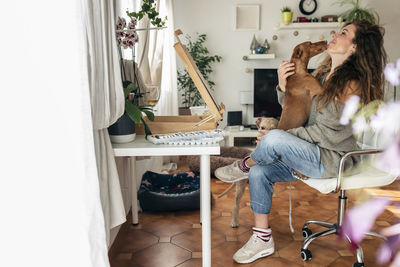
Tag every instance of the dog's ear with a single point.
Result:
(298, 52)
(258, 120)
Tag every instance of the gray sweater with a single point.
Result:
(324, 129)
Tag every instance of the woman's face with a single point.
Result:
(342, 42)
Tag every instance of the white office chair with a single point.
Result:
(368, 176)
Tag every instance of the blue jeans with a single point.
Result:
(277, 155)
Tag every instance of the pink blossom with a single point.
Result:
(121, 23)
(359, 125)
(360, 218)
(388, 249)
(387, 119)
(392, 72)
(350, 109)
(132, 24)
(389, 160)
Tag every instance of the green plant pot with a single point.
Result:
(287, 17)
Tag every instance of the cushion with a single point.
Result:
(169, 192)
(368, 177)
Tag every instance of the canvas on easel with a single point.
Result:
(169, 124)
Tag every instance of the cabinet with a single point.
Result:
(245, 134)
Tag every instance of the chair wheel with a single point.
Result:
(306, 254)
(358, 264)
(306, 232)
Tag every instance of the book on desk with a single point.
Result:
(209, 121)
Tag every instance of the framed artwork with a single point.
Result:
(247, 17)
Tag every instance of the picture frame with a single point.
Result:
(247, 17)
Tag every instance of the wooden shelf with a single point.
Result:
(310, 25)
(259, 56)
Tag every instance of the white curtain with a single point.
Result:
(49, 186)
(157, 60)
(107, 103)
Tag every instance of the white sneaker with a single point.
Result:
(254, 249)
(231, 173)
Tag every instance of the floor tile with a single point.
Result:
(162, 254)
(174, 238)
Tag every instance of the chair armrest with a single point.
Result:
(346, 156)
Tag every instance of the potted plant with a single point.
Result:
(124, 129)
(190, 95)
(357, 12)
(287, 15)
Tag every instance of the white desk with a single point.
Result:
(142, 147)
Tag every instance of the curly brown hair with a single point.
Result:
(365, 66)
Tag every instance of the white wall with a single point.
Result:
(216, 19)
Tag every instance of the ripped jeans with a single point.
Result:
(276, 155)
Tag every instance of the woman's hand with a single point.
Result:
(261, 133)
(285, 70)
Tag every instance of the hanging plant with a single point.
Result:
(149, 8)
(357, 12)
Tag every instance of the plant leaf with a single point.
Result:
(133, 111)
(149, 114)
(147, 130)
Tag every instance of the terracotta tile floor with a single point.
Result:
(174, 239)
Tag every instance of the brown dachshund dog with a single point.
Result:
(301, 87)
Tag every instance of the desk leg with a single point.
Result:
(205, 207)
(135, 218)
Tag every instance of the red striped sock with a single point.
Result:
(263, 234)
(242, 164)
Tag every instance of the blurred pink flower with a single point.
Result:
(360, 218)
(388, 249)
(392, 72)
(359, 125)
(389, 160)
(350, 109)
(387, 119)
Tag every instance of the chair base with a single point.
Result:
(332, 228)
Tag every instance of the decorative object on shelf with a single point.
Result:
(266, 45)
(247, 17)
(254, 44)
(202, 58)
(357, 12)
(260, 50)
(329, 18)
(315, 19)
(287, 15)
(308, 7)
(302, 19)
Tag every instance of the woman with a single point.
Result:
(354, 67)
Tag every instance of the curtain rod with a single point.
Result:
(142, 29)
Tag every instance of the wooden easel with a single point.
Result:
(201, 84)
(170, 124)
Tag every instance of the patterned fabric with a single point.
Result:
(170, 183)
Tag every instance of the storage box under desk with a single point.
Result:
(173, 124)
